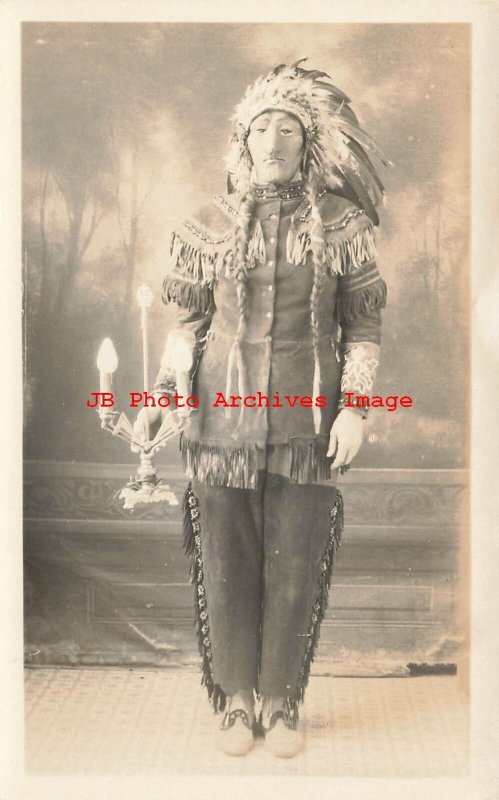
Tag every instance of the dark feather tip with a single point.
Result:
(278, 69)
(300, 61)
(315, 73)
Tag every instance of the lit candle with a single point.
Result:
(144, 299)
(107, 363)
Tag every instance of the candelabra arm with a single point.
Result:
(146, 487)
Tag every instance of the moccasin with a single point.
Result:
(235, 736)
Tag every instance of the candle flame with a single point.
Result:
(144, 296)
(107, 358)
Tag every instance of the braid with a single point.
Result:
(242, 237)
(317, 246)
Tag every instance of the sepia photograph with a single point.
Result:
(236, 240)
(246, 377)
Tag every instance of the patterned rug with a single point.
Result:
(99, 721)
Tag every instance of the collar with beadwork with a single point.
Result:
(266, 191)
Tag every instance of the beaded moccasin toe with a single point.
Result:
(235, 736)
(282, 736)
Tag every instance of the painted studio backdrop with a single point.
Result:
(125, 129)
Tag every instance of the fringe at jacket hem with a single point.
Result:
(237, 467)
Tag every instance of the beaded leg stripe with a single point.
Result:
(193, 548)
(319, 607)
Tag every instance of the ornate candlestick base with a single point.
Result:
(145, 487)
(135, 492)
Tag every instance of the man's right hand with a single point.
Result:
(147, 424)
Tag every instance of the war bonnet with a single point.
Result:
(336, 152)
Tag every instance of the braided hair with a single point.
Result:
(317, 252)
(246, 208)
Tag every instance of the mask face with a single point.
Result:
(275, 143)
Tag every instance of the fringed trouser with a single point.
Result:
(261, 567)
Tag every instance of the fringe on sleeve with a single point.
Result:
(187, 294)
(201, 261)
(349, 243)
(201, 250)
(362, 299)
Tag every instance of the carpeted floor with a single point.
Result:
(126, 721)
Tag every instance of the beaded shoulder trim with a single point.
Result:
(222, 202)
(204, 236)
(342, 223)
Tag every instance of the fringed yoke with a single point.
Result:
(275, 355)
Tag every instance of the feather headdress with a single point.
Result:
(337, 151)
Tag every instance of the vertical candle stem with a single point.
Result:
(145, 350)
(144, 299)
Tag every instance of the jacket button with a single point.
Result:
(270, 287)
(268, 314)
(270, 263)
(272, 240)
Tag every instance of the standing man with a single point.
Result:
(278, 292)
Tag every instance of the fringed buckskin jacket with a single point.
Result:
(275, 354)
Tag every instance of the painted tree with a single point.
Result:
(89, 102)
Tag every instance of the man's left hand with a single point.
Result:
(345, 438)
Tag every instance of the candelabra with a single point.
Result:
(145, 486)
